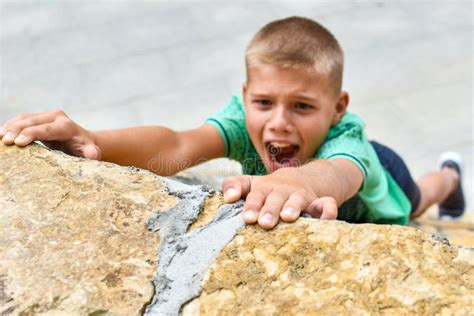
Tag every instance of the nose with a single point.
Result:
(280, 121)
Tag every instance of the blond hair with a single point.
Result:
(301, 43)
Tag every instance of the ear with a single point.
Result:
(341, 107)
(244, 92)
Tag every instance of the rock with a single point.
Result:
(459, 231)
(72, 234)
(82, 237)
(321, 267)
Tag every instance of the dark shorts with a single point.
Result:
(394, 164)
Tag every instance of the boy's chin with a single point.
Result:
(273, 165)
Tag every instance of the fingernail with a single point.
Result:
(267, 218)
(249, 215)
(1, 130)
(8, 136)
(20, 138)
(230, 192)
(288, 212)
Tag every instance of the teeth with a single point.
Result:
(278, 144)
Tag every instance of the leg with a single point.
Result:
(397, 168)
(435, 187)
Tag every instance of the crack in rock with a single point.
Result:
(184, 257)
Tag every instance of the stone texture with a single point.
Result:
(212, 204)
(319, 267)
(459, 231)
(80, 237)
(72, 234)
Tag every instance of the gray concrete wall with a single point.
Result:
(116, 64)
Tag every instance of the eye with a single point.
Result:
(303, 106)
(263, 102)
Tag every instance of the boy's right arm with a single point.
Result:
(159, 149)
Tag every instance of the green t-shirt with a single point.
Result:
(380, 199)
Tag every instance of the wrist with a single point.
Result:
(94, 140)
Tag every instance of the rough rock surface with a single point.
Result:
(316, 267)
(73, 235)
(459, 232)
(81, 237)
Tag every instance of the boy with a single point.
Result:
(300, 149)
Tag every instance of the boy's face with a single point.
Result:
(289, 113)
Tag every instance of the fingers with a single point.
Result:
(253, 204)
(270, 212)
(279, 205)
(6, 133)
(29, 134)
(3, 129)
(264, 203)
(13, 127)
(236, 187)
(26, 128)
(56, 130)
(92, 151)
(293, 207)
(324, 208)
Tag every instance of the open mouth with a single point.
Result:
(281, 154)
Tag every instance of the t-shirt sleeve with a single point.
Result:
(230, 123)
(347, 140)
(383, 199)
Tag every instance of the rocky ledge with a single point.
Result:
(81, 237)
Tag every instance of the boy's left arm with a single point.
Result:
(317, 188)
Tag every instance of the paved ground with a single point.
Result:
(116, 64)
